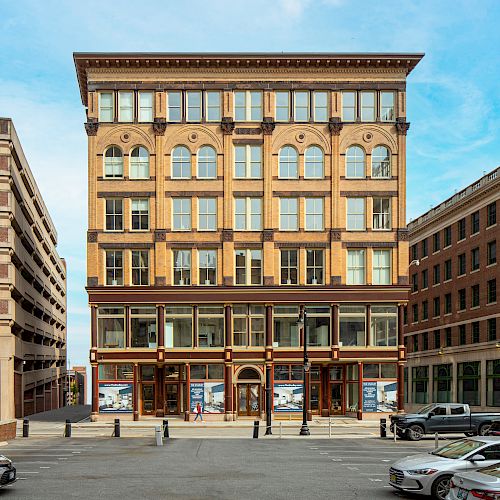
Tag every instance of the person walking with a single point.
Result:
(199, 412)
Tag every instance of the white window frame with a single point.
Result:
(288, 267)
(296, 108)
(114, 268)
(113, 214)
(288, 167)
(248, 252)
(383, 162)
(182, 268)
(354, 150)
(287, 212)
(196, 108)
(145, 112)
(317, 108)
(114, 164)
(313, 162)
(248, 213)
(208, 215)
(141, 268)
(122, 108)
(205, 159)
(139, 163)
(354, 215)
(391, 110)
(171, 107)
(139, 212)
(381, 218)
(248, 162)
(358, 266)
(203, 265)
(180, 159)
(249, 106)
(381, 269)
(210, 107)
(278, 107)
(179, 206)
(314, 267)
(367, 110)
(111, 108)
(353, 108)
(315, 208)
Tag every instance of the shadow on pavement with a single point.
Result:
(73, 413)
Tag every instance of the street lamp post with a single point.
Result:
(302, 323)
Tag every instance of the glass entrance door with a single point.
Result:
(336, 399)
(148, 399)
(172, 399)
(248, 399)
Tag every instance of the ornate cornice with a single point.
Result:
(227, 125)
(159, 126)
(268, 125)
(91, 127)
(335, 125)
(402, 125)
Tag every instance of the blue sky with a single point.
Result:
(453, 95)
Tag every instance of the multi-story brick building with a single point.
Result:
(452, 317)
(32, 291)
(226, 193)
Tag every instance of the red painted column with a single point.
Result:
(335, 325)
(360, 390)
(195, 326)
(269, 326)
(228, 323)
(95, 393)
(93, 325)
(161, 326)
(136, 392)
(187, 410)
(228, 391)
(401, 387)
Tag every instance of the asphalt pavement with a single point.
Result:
(134, 468)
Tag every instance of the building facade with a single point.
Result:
(452, 316)
(227, 193)
(32, 291)
(77, 394)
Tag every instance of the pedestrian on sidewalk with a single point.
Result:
(199, 412)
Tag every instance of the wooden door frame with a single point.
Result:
(178, 384)
(249, 413)
(153, 411)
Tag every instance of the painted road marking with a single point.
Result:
(353, 468)
(336, 460)
(29, 472)
(44, 467)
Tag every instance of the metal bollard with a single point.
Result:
(256, 429)
(329, 427)
(67, 429)
(117, 428)
(26, 428)
(166, 433)
(158, 435)
(436, 441)
(383, 428)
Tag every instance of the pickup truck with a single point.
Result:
(442, 418)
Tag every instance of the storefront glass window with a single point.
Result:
(318, 325)
(147, 372)
(286, 332)
(442, 383)
(288, 372)
(420, 381)
(493, 374)
(178, 326)
(371, 370)
(172, 372)
(248, 319)
(107, 372)
(388, 370)
(198, 372)
(352, 372)
(143, 326)
(352, 321)
(215, 372)
(336, 373)
(384, 325)
(352, 397)
(468, 383)
(111, 327)
(211, 326)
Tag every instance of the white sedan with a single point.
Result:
(430, 473)
(483, 483)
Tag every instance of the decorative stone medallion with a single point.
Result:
(367, 137)
(193, 137)
(125, 137)
(300, 137)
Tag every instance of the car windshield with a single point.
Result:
(425, 409)
(458, 449)
(492, 470)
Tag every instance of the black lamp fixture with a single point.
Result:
(302, 325)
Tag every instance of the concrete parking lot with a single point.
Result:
(133, 468)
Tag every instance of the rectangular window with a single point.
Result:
(193, 105)
(447, 236)
(436, 242)
(437, 274)
(146, 113)
(469, 378)
(114, 215)
(143, 327)
(420, 383)
(111, 327)
(318, 325)
(474, 223)
(443, 377)
(447, 333)
(414, 252)
(207, 266)
(182, 267)
(415, 313)
(461, 229)
(140, 214)
(116, 372)
(474, 259)
(301, 106)
(248, 325)
(289, 216)
(248, 105)
(368, 106)
(462, 335)
(114, 267)
(493, 382)
(320, 104)
(181, 214)
(425, 341)
(106, 107)
(286, 331)
(355, 214)
(356, 267)
(474, 296)
(492, 329)
(461, 265)
(492, 252)
(247, 162)
(352, 326)
(213, 106)
(289, 267)
(491, 291)
(475, 332)
(125, 106)
(387, 106)
(425, 279)
(425, 310)
(178, 326)
(248, 267)
(436, 306)
(462, 304)
(447, 303)
(349, 110)
(282, 106)
(381, 213)
(381, 274)
(248, 214)
(437, 339)
(414, 282)
(447, 269)
(211, 326)
(315, 273)
(491, 211)
(314, 214)
(174, 106)
(424, 248)
(207, 214)
(140, 267)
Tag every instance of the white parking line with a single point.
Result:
(44, 467)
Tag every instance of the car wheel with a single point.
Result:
(483, 429)
(469, 434)
(415, 433)
(441, 487)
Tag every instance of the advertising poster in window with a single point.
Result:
(369, 396)
(288, 397)
(387, 396)
(209, 394)
(115, 398)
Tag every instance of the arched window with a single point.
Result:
(355, 162)
(289, 165)
(181, 163)
(139, 163)
(314, 163)
(381, 162)
(113, 162)
(207, 163)
(248, 374)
